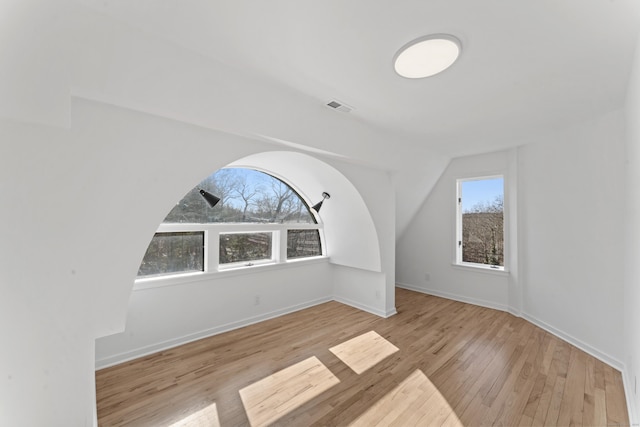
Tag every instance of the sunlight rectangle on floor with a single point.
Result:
(278, 394)
(206, 417)
(364, 351)
(414, 402)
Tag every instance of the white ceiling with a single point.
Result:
(526, 66)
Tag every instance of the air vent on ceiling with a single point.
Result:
(340, 106)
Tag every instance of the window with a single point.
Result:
(243, 247)
(173, 252)
(258, 220)
(480, 222)
(303, 243)
(246, 196)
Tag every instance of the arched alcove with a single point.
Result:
(167, 314)
(350, 233)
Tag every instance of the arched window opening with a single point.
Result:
(246, 195)
(259, 220)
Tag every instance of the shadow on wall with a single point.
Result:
(345, 214)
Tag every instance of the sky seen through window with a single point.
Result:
(481, 191)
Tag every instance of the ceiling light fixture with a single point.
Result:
(427, 56)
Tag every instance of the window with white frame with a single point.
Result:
(174, 252)
(480, 222)
(259, 220)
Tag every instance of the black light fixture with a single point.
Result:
(318, 205)
(210, 198)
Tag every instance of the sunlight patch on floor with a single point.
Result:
(272, 397)
(205, 417)
(364, 351)
(414, 402)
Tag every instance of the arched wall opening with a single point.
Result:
(173, 313)
(110, 180)
(350, 233)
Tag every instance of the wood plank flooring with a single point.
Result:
(457, 364)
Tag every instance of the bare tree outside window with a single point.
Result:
(246, 197)
(245, 247)
(482, 209)
(173, 252)
(303, 243)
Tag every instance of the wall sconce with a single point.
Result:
(210, 198)
(318, 205)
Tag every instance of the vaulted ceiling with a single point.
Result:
(525, 66)
(266, 70)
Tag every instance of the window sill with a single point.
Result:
(245, 264)
(179, 279)
(479, 268)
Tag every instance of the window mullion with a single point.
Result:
(212, 249)
(458, 244)
(282, 249)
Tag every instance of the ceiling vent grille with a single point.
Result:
(340, 106)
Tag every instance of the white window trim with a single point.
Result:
(276, 253)
(212, 268)
(201, 276)
(481, 268)
(457, 249)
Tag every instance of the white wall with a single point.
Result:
(632, 243)
(373, 291)
(566, 237)
(80, 207)
(163, 317)
(71, 192)
(571, 197)
(92, 56)
(83, 177)
(428, 245)
(344, 213)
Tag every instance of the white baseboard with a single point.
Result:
(365, 307)
(629, 391)
(460, 298)
(165, 345)
(602, 356)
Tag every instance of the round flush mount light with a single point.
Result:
(427, 56)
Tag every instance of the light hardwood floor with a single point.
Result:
(456, 364)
